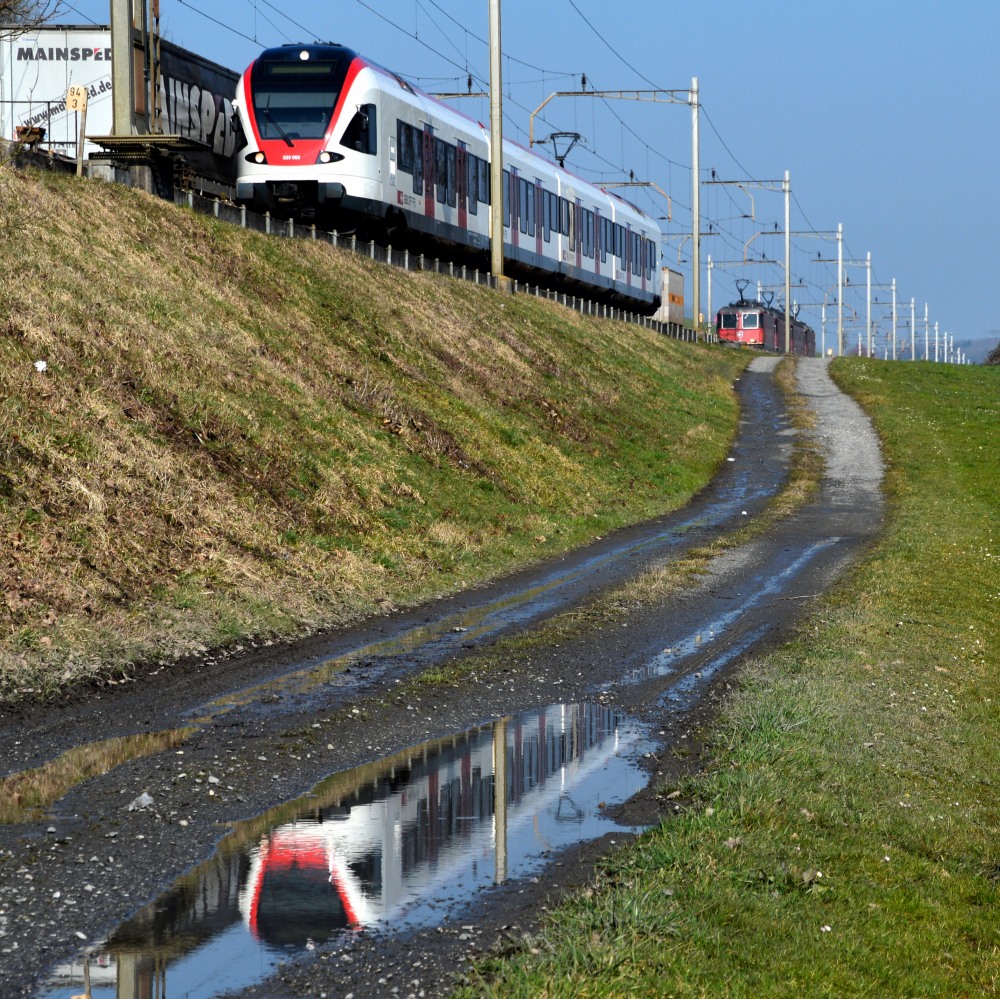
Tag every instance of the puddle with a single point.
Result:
(447, 635)
(732, 633)
(395, 844)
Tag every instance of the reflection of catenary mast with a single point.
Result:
(369, 844)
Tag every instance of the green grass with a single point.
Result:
(843, 839)
(252, 436)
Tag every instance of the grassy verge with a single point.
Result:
(208, 434)
(843, 840)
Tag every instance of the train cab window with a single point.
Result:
(361, 133)
(728, 321)
(751, 321)
(295, 100)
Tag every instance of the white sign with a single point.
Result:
(38, 68)
(76, 99)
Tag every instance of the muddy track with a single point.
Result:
(266, 726)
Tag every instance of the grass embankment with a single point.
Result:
(234, 436)
(844, 839)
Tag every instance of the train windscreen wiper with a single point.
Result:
(270, 117)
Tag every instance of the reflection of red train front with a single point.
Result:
(753, 324)
(422, 821)
(304, 870)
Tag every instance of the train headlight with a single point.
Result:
(328, 157)
(257, 157)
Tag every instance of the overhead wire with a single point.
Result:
(215, 20)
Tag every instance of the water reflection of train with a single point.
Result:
(369, 855)
(392, 840)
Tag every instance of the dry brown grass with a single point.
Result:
(236, 435)
(28, 793)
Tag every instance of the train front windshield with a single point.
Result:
(295, 99)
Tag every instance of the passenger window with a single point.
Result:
(404, 145)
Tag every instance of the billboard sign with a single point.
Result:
(194, 96)
(37, 69)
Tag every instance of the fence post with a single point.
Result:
(243, 216)
(406, 259)
(267, 222)
(312, 230)
(215, 208)
(388, 254)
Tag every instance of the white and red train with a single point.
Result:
(755, 324)
(332, 135)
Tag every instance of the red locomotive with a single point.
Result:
(758, 324)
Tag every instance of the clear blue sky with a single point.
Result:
(885, 113)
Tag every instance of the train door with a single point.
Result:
(462, 184)
(578, 233)
(770, 331)
(515, 206)
(538, 195)
(628, 256)
(598, 241)
(430, 174)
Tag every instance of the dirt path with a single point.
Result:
(265, 727)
